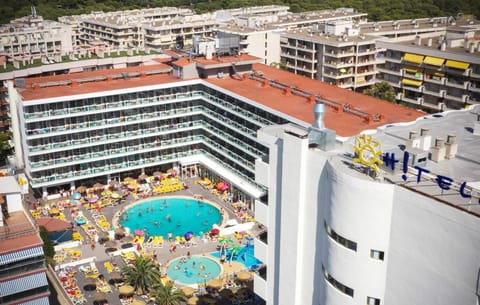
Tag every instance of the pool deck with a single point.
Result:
(164, 254)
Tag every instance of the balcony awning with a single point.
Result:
(411, 82)
(20, 284)
(457, 64)
(418, 59)
(20, 255)
(433, 61)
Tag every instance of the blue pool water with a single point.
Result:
(165, 215)
(245, 256)
(194, 270)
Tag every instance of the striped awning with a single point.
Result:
(17, 285)
(41, 301)
(415, 58)
(411, 82)
(433, 61)
(20, 255)
(457, 64)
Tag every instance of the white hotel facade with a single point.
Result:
(334, 235)
(339, 236)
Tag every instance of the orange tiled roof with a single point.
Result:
(343, 122)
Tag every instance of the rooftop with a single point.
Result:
(18, 233)
(463, 167)
(350, 112)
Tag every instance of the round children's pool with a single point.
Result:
(193, 270)
(175, 216)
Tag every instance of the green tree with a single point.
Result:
(5, 148)
(383, 91)
(167, 295)
(143, 274)
(48, 248)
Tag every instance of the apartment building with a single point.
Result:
(29, 38)
(23, 277)
(336, 54)
(259, 35)
(436, 72)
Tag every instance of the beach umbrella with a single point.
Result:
(93, 200)
(140, 232)
(110, 244)
(244, 276)
(128, 179)
(189, 235)
(77, 196)
(193, 301)
(215, 231)
(215, 283)
(81, 189)
(99, 298)
(188, 291)
(126, 290)
(119, 233)
(98, 186)
(143, 176)
(116, 277)
(116, 195)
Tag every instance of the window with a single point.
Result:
(344, 289)
(373, 301)
(376, 254)
(340, 239)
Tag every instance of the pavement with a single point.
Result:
(163, 255)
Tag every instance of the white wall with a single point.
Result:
(358, 209)
(434, 254)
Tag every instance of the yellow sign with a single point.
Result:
(369, 152)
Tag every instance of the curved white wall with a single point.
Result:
(359, 210)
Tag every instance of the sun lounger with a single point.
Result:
(109, 266)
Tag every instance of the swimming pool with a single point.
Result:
(193, 270)
(175, 215)
(245, 256)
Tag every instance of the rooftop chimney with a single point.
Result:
(438, 151)
(413, 141)
(451, 146)
(319, 110)
(320, 136)
(425, 139)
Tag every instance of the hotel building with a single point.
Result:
(23, 277)
(340, 233)
(334, 233)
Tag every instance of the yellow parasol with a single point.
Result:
(188, 291)
(126, 290)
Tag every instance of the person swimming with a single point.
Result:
(179, 224)
(168, 218)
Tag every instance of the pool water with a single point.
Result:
(174, 215)
(245, 256)
(193, 270)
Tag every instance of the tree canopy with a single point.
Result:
(382, 90)
(143, 274)
(376, 9)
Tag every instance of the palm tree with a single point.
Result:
(168, 295)
(144, 273)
